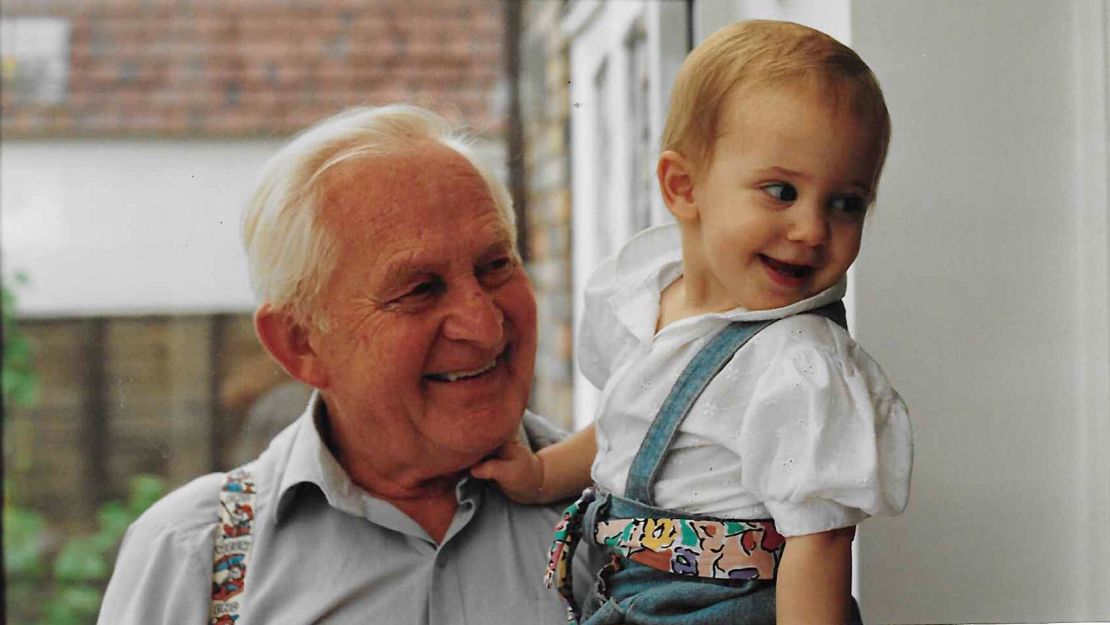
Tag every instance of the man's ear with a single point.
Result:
(676, 181)
(288, 342)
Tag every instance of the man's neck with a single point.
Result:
(434, 514)
(424, 494)
(431, 502)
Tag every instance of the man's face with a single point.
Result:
(431, 320)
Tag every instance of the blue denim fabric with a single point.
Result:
(630, 593)
(697, 375)
(640, 595)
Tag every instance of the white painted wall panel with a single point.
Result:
(127, 227)
(105, 227)
(967, 291)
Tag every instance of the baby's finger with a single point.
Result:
(487, 469)
(513, 450)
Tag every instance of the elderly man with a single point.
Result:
(384, 259)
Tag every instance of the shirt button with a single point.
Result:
(441, 563)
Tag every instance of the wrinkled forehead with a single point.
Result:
(424, 179)
(407, 199)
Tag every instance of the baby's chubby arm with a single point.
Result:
(815, 578)
(555, 473)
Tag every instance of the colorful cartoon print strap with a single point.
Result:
(233, 546)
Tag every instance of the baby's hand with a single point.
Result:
(517, 470)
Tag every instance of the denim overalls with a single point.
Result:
(665, 567)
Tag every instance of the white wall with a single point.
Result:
(603, 149)
(113, 227)
(829, 16)
(127, 227)
(969, 292)
(984, 290)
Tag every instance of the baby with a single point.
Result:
(742, 434)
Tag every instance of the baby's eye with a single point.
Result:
(849, 205)
(781, 191)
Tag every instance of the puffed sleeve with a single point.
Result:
(596, 344)
(825, 441)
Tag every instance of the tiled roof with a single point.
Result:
(257, 67)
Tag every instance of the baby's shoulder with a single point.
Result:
(808, 340)
(804, 332)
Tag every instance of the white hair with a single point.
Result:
(290, 254)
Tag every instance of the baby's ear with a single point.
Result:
(676, 182)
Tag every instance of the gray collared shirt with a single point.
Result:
(326, 551)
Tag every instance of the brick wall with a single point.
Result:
(256, 67)
(545, 108)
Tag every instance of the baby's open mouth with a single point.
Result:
(454, 376)
(787, 269)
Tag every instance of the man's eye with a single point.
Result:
(421, 290)
(781, 191)
(500, 263)
(496, 266)
(852, 205)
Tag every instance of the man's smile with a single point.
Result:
(465, 374)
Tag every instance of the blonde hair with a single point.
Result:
(290, 254)
(763, 53)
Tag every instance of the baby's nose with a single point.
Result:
(809, 227)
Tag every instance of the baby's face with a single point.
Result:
(782, 204)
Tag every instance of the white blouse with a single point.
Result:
(801, 425)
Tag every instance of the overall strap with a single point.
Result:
(833, 312)
(694, 378)
(697, 375)
(232, 546)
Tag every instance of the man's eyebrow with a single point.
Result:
(402, 270)
(503, 245)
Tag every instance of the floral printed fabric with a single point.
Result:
(568, 531)
(233, 546)
(739, 550)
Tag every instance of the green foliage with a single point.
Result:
(22, 544)
(113, 519)
(72, 594)
(62, 587)
(81, 560)
(144, 491)
(20, 381)
(73, 605)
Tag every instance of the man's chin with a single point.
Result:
(479, 443)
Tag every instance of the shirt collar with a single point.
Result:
(310, 462)
(652, 259)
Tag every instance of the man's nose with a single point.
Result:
(808, 224)
(474, 317)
